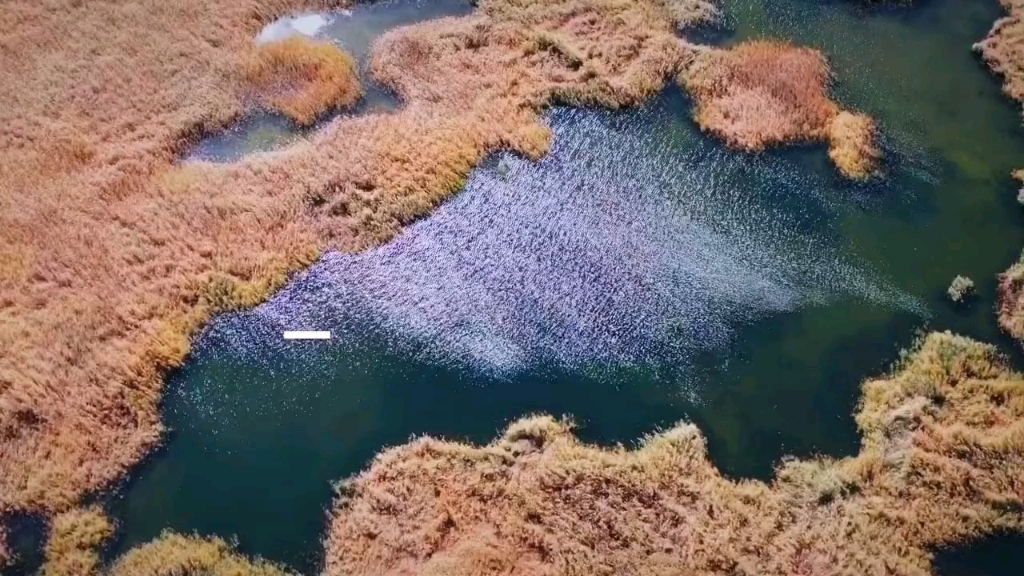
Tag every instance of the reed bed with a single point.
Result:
(5, 554)
(177, 555)
(72, 548)
(78, 535)
(112, 255)
(941, 462)
(1003, 51)
(765, 93)
(303, 79)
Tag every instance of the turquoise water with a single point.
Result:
(638, 275)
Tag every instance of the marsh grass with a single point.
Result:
(1003, 51)
(5, 553)
(303, 78)
(72, 548)
(112, 256)
(960, 289)
(765, 93)
(173, 554)
(78, 535)
(942, 462)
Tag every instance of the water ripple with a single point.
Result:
(616, 248)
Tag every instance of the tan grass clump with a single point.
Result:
(176, 555)
(1010, 306)
(73, 545)
(1003, 50)
(942, 462)
(5, 553)
(111, 256)
(765, 93)
(303, 78)
(852, 146)
(76, 537)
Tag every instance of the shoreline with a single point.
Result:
(158, 248)
(225, 287)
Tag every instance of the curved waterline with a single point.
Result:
(354, 31)
(263, 426)
(611, 249)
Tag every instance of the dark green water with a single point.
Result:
(639, 275)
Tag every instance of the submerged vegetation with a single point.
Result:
(765, 93)
(941, 462)
(303, 78)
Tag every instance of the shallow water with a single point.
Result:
(354, 31)
(638, 275)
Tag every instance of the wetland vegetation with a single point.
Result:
(113, 255)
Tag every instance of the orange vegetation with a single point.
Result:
(73, 545)
(176, 555)
(942, 461)
(765, 93)
(76, 537)
(303, 78)
(1003, 50)
(5, 554)
(112, 255)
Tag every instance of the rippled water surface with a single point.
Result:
(638, 275)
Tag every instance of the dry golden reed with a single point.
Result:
(72, 548)
(941, 462)
(5, 554)
(112, 255)
(303, 78)
(77, 536)
(176, 555)
(1003, 50)
(765, 93)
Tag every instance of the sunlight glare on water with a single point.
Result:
(613, 249)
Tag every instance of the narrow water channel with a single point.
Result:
(354, 31)
(638, 275)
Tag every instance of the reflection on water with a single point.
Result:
(638, 275)
(624, 245)
(353, 30)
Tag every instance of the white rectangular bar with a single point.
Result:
(306, 335)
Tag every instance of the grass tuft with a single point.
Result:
(1003, 51)
(960, 289)
(303, 78)
(72, 548)
(765, 93)
(177, 555)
